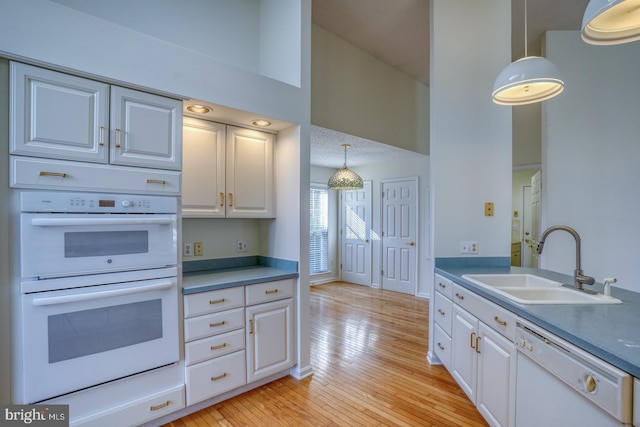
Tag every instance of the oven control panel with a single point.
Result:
(67, 202)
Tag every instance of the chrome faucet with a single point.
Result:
(579, 278)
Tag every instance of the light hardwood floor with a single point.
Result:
(368, 351)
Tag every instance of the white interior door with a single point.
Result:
(355, 235)
(536, 208)
(399, 235)
(526, 237)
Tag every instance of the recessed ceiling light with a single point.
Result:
(260, 122)
(197, 108)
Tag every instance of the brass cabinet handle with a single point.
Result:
(101, 141)
(478, 345)
(272, 291)
(500, 322)
(160, 406)
(219, 377)
(218, 347)
(118, 138)
(230, 199)
(60, 174)
(471, 339)
(217, 301)
(440, 346)
(221, 198)
(251, 327)
(156, 181)
(441, 312)
(442, 285)
(460, 297)
(215, 325)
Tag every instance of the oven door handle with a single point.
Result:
(66, 299)
(65, 222)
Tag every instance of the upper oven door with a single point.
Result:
(56, 245)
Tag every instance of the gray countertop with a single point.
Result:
(203, 281)
(609, 331)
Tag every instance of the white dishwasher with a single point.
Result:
(559, 384)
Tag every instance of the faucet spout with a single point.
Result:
(579, 278)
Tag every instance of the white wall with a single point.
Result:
(357, 94)
(470, 135)
(590, 159)
(219, 236)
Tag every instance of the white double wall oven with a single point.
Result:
(98, 290)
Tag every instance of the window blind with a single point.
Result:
(319, 230)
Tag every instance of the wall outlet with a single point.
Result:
(469, 247)
(198, 249)
(187, 249)
(242, 246)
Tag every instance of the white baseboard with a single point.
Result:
(299, 374)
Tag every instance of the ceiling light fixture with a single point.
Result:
(261, 123)
(345, 178)
(197, 108)
(608, 22)
(528, 80)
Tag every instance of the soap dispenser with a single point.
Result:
(607, 285)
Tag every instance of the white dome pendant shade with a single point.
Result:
(528, 80)
(345, 178)
(609, 22)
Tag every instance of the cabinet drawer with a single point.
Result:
(31, 172)
(269, 291)
(444, 310)
(489, 313)
(444, 286)
(216, 376)
(442, 349)
(212, 324)
(213, 301)
(215, 346)
(137, 412)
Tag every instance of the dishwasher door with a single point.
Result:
(559, 384)
(544, 400)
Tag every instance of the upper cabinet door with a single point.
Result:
(56, 115)
(146, 129)
(249, 175)
(203, 187)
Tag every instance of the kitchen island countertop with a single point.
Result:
(608, 331)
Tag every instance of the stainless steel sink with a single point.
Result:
(531, 289)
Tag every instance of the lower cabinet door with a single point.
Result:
(216, 376)
(269, 338)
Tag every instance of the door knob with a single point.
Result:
(526, 233)
(411, 243)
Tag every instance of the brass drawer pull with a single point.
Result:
(218, 347)
(217, 301)
(478, 345)
(219, 377)
(442, 285)
(500, 322)
(272, 291)
(60, 174)
(156, 181)
(471, 339)
(160, 406)
(214, 325)
(441, 312)
(440, 346)
(460, 297)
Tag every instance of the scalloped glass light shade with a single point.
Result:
(345, 179)
(526, 81)
(608, 22)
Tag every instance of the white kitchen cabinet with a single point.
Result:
(270, 328)
(228, 171)
(483, 359)
(60, 116)
(443, 318)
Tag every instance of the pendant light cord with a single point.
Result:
(525, 29)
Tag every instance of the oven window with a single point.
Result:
(86, 332)
(101, 243)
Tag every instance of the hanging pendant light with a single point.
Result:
(345, 178)
(528, 80)
(608, 22)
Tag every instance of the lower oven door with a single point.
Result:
(77, 338)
